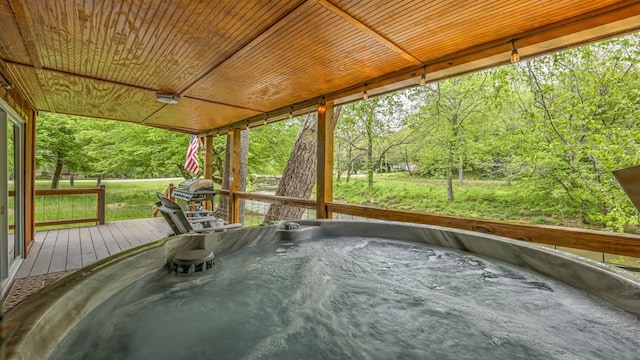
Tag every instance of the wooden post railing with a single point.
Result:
(99, 218)
(280, 200)
(598, 241)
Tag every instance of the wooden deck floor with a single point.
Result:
(69, 249)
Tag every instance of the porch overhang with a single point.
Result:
(240, 62)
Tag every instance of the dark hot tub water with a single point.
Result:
(353, 298)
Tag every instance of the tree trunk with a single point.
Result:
(56, 174)
(461, 170)
(218, 163)
(456, 147)
(99, 180)
(450, 188)
(407, 162)
(71, 179)
(349, 162)
(299, 176)
(450, 171)
(370, 161)
(338, 166)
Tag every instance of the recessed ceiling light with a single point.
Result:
(167, 98)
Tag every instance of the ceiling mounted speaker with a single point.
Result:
(5, 83)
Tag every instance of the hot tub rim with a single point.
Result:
(26, 318)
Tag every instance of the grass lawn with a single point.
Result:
(481, 199)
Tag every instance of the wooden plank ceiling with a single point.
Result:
(234, 62)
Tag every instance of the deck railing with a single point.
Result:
(601, 242)
(69, 206)
(256, 205)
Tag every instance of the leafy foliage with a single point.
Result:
(270, 146)
(111, 148)
(584, 124)
(376, 122)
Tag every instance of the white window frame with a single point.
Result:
(9, 267)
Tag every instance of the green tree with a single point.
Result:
(585, 122)
(57, 146)
(375, 119)
(270, 146)
(132, 150)
(449, 111)
(111, 148)
(348, 150)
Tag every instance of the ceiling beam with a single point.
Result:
(370, 32)
(43, 70)
(4, 76)
(25, 26)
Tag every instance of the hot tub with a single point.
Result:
(336, 289)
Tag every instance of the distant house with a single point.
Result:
(404, 167)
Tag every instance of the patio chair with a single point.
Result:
(181, 223)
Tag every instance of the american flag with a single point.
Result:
(191, 164)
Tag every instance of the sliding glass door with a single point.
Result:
(11, 193)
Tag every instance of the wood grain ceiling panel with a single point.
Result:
(107, 58)
(433, 29)
(195, 116)
(163, 45)
(11, 45)
(100, 99)
(26, 79)
(310, 53)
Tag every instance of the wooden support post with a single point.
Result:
(169, 192)
(324, 183)
(208, 164)
(102, 204)
(234, 176)
(29, 181)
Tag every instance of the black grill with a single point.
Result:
(194, 191)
